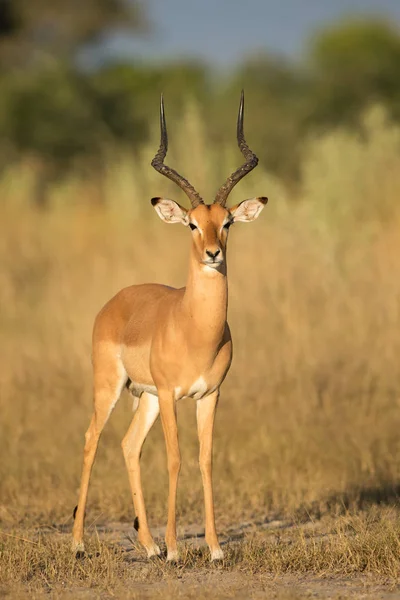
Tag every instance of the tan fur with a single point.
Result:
(169, 343)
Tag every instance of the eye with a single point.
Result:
(192, 226)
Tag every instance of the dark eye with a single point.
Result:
(192, 226)
(227, 225)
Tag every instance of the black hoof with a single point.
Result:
(80, 555)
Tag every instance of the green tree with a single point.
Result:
(276, 101)
(354, 64)
(31, 30)
(127, 95)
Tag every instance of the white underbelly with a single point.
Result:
(197, 390)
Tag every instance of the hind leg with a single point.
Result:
(132, 443)
(108, 385)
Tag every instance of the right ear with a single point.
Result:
(248, 210)
(170, 211)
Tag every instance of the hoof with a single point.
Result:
(80, 555)
(172, 556)
(217, 554)
(153, 551)
(78, 547)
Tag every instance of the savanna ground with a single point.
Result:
(307, 445)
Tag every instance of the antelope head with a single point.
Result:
(209, 223)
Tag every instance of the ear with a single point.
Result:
(248, 210)
(170, 211)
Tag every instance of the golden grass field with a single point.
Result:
(307, 430)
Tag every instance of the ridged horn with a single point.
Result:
(158, 163)
(249, 165)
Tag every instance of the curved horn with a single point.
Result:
(158, 163)
(251, 160)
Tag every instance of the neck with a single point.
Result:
(206, 299)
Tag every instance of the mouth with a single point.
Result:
(214, 264)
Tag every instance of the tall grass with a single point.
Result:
(309, 417)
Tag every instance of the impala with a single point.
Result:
(165, 344)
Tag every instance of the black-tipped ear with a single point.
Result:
(170, 211)
(248, 210)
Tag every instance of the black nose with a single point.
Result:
(213, 254)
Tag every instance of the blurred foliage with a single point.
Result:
(355, 64)
(277, 100)
(63, 117)
(33, 30)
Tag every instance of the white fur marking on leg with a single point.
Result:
(153, 551)
(172, 556)
(77, 546)
(153, 409)
(217, 554)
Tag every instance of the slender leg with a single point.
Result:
(132, 443)
(107, 390)
(168, 418)
(206, 408)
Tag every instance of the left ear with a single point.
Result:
(170, 211)
(248, 210)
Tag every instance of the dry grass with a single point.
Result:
(346, 547)
(309, 419)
